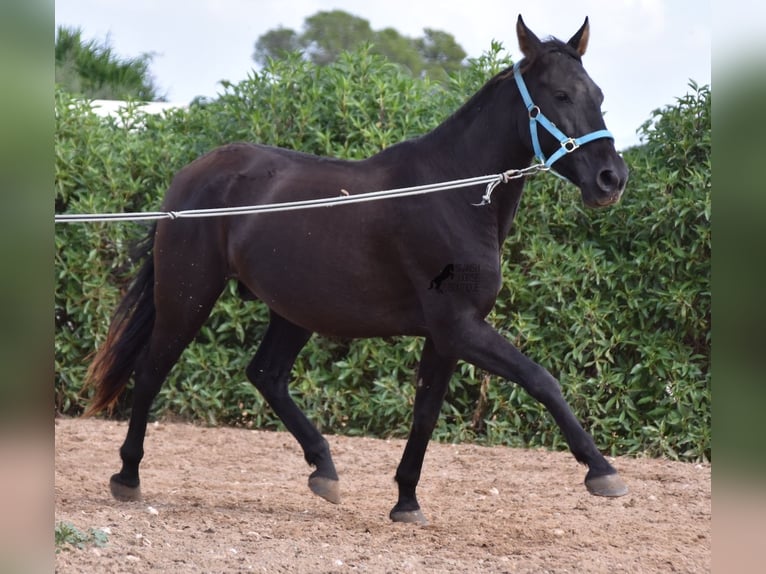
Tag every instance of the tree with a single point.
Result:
(93, 70)
(397, 48)
(276, 44)
(441, 54)
(328, 33)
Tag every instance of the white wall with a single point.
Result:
(109, 107)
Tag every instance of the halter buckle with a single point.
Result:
(534, 111)
(569, 145)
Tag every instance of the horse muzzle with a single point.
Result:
(608, 188)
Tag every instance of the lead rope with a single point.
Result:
(344, 198)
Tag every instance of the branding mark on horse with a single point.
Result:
(457, 277)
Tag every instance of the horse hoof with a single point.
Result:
(327, 488)
(409, 516)
(606, 485)
(124, 493)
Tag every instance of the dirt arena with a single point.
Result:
(236, 500)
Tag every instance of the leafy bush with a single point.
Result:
(615, 303)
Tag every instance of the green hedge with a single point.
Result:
(615, 303)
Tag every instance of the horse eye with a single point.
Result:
(562, 96)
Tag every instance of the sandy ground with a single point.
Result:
(236, 500)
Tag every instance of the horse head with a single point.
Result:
(566, 127)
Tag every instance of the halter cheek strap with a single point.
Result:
(568, 144)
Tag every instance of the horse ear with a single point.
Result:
(580, 40)
(528, 42)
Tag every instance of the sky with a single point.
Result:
(642, 53)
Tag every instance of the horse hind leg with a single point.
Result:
(184, 294)
(270, 371)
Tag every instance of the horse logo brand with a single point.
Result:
(447, 273)
(457, 277)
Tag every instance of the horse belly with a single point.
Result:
(335, 306)
(335, 287)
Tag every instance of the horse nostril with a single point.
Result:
(608, 181)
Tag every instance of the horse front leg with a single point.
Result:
(478, 343)
(434, 374)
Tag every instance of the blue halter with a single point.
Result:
(568, 145)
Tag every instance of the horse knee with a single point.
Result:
(543, 386)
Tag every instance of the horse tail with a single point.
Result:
(129, 332)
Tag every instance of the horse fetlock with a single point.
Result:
(320, 457)
(324, 480)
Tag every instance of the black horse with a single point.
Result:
(364, 270)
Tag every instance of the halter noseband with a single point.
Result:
(568, 145)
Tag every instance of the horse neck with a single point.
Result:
(483, 136)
